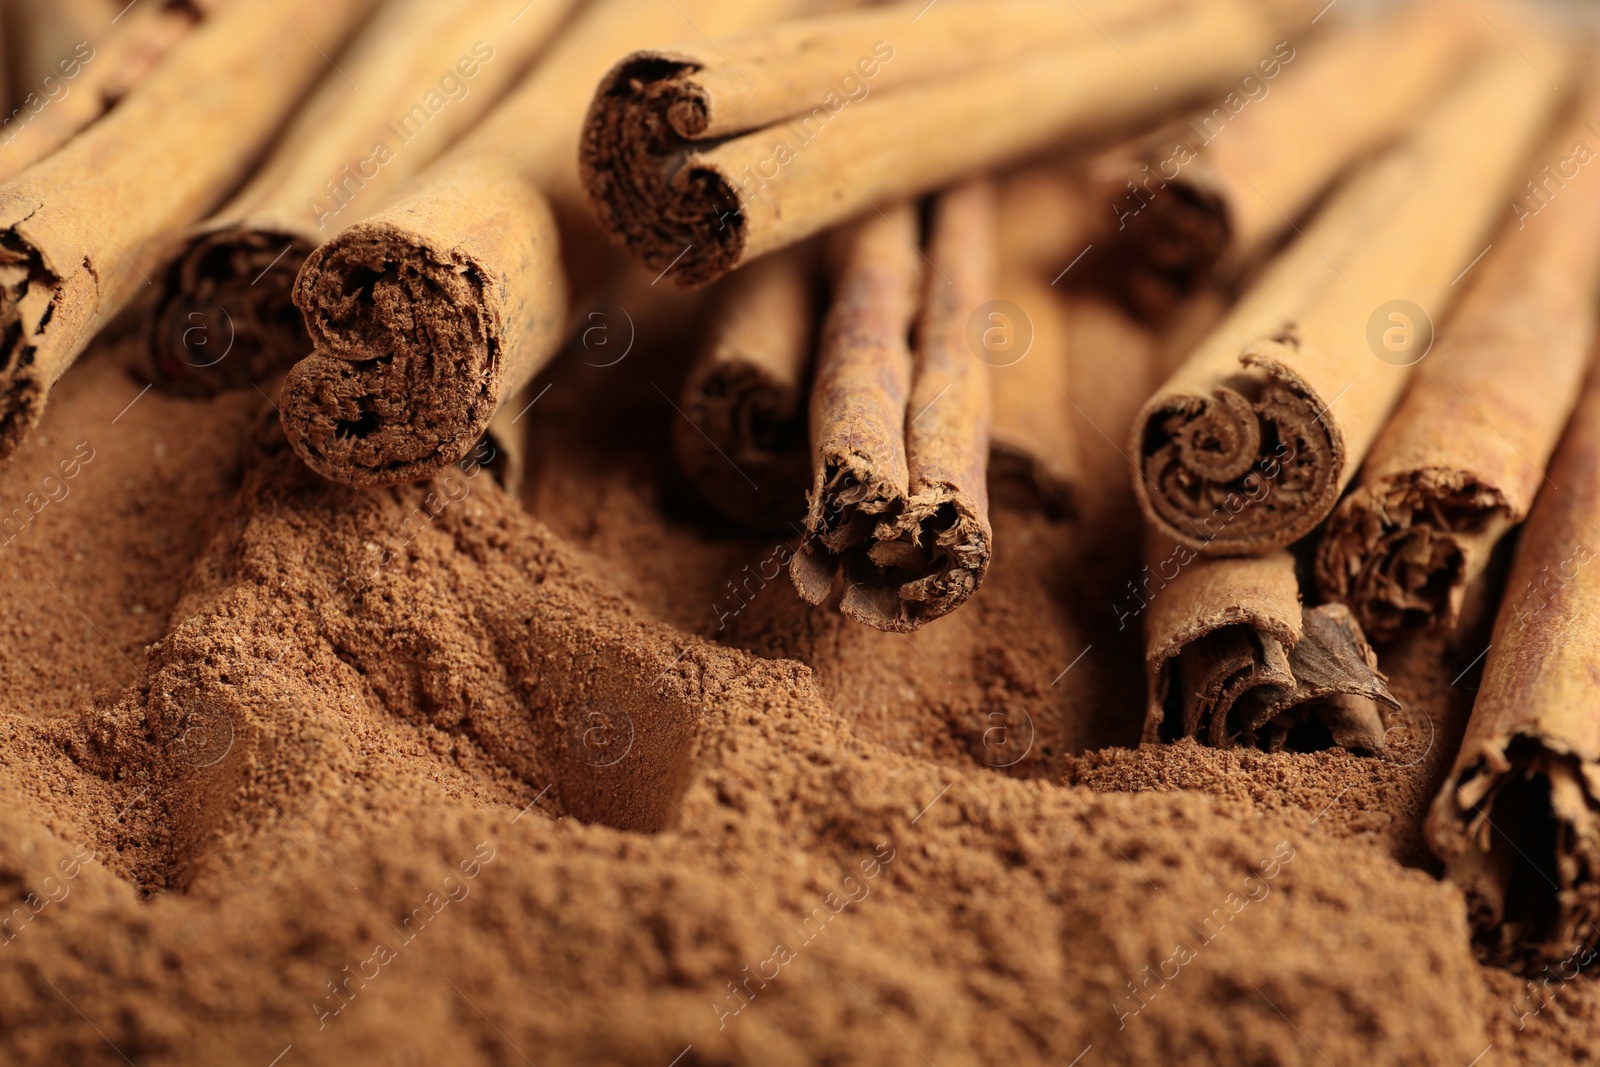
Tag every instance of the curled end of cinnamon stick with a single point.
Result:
(406, 371)
(647, 188)
(1174, 245)
(1248, 684)
(29, 291)
(905, 561)
(1250, 467)
(1402, 551)
(227, 317)
(1518, 830)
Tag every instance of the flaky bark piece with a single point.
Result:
(743, 440)
(1248, 445)
(75, 227)
(1459, 463)
(860, 474)
(1517, 822)
(372, 124)
(1216, 191)
(699, 208)
(1233, 658)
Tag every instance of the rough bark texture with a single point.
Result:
(1247, 447)
(1461, 460)
(1517, 822)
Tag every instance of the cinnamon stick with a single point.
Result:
(425, 316)
(1233, 657)
(742, 442)
(696, 171)
(1517, 822)
(1248, 445)
(899, 502)
(1214, 192)
(95, 58)
(1033, 449)
(1458, 465)
(80, 230)
(416, 78)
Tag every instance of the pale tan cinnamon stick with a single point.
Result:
(80, 230)
(1517, 822)
(95, 56)
(1459, 463)
(899, 499)
(1234, 658)
(742, 441)
(1216, 191)
(427, 315)
(961, 90)
(1247, 447)
(419, 75)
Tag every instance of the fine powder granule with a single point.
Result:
(418, 775)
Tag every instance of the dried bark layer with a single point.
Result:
(226, 317)
(899, 502)
(1404, 550)
(682, 217)
(406, 366)
(1253, 466)
(1240, 685)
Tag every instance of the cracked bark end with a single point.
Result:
(405, 373)
(226, 317)
(744, 424)
(29, 292)
(1402, 552)
(1170, 240)
(643, 180)
(1254, 465)
(1518, 829)
(1244, 685)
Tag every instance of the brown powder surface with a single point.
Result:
(429, 775)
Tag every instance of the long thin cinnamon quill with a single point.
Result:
(1215, 192)
(742, 442)
(1247, 447)
(696, 170)
(426, 316)
(80, 230)
(900, 434)
(1517, 822)
(1459, 463)
(1234, 658)
(95, 58)
(415, 79)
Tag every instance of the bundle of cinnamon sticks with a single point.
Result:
(387, 217)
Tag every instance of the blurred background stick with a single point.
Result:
(83, 57)
(80, 230)
(1461, 460)
(1216, 191)
(742, 442)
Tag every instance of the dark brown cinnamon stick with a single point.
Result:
(899, 500)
